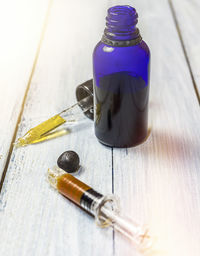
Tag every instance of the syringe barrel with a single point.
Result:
(105, 209)
(74, 189)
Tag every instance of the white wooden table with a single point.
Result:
(45, 52)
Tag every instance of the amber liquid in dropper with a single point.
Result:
(40, 130)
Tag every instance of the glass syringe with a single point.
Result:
(105, 209)
(42, 131)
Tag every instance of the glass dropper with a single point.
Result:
(105, 209)
(70, 115)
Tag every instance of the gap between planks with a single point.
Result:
(113, 191)
(184, 49)
(32, 73)
(26, 91)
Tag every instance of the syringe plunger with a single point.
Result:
(105, 209)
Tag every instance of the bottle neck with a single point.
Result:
(121, 27)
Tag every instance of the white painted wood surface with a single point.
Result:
(41, 221)
(21, 26)
(158, 182)
(187, 14)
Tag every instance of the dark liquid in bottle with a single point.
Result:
(121, 109)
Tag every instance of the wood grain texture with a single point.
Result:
(187, 15)
(35, 219)
(21, 26)
(159, 180)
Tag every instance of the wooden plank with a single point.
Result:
(21, 26)
(158, 181)
(35, 220)
(162, 172)
(186, 14)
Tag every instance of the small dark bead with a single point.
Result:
(69, 161)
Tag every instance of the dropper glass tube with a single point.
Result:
(70, 115)
(105, 209)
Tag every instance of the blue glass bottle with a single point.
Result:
(121, 66)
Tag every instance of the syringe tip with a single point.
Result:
(53, 174)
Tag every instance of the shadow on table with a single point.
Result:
(168, 146)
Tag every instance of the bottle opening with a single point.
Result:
(121, 23)
(122, 10)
